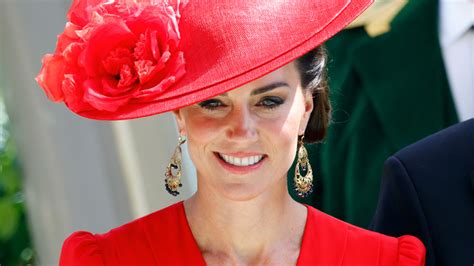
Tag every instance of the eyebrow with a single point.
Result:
(266, 88)
(269, 87)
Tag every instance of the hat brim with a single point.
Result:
(214, 65)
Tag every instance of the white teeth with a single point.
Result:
(225, 157)
(252, 160)
(244, 161)
(256, 159)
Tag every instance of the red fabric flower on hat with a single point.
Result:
(114, 52)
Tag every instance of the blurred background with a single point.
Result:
(59, 172)
(393, 81)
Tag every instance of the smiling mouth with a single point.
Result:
(241, 161)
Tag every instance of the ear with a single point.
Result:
(308, 108)
(178, 115)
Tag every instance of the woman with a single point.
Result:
(247, 87)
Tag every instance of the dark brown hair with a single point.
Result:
(313, 70)
(312, 67)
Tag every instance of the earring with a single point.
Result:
(173, 180)
(303, 179)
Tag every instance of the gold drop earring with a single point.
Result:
(173, 170)
(303, 179)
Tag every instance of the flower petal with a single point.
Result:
(67, 37)
(114, 51)
(51, 76)
(80, 11)
(103, 40)
(113, 88)
(174, 67)
(175, 73)
(71, 56)
(100, 101)
(73, 95)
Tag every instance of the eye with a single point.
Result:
(211, 104)
(271, 102)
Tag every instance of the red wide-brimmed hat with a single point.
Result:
(127, 59)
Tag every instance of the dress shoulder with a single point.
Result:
(330, 241)
(365, 245)
(161, 237)
(81, 248)
(410, 251)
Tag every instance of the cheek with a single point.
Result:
(202, 129)
(202, 132)
(281, 130)
(287, 123)
(284, 131)
(281, 133)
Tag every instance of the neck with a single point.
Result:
(246, 231)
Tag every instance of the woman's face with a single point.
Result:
(244, 141)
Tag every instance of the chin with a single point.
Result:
(240, 192)
(247, 192)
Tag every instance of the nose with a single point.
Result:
(241, 125)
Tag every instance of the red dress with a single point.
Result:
(164, 238)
